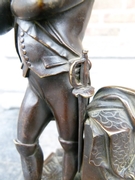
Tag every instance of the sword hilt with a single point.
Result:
(83, 85)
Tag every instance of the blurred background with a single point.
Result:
(110, 40)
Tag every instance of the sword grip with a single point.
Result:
(85, 66)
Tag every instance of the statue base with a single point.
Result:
(52, 167)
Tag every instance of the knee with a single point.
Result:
(26, 150)
(69, 146)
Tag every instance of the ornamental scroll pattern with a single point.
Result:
(113, 143)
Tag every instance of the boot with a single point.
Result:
(31, 159)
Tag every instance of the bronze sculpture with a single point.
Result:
(48, 39)
(48, 36)
(109, 152)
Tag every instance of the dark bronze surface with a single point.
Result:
(52, 167)
(83, 91)
(109, 135)
(48, 40)
(48, 37)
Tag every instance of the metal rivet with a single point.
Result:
(26, 58)
(24, 51)
(22, 33)
(23, 46)
(22, 40)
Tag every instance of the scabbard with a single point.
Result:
(82, 102)
(83, 91)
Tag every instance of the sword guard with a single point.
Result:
(85, 91)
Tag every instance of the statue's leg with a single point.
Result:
(68, 131)
(65, 109)
(34, 116)
(70, 159)
(57, 91)
(31, 159)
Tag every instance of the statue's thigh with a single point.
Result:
(57, 92)
(64, 106)
(33, 117)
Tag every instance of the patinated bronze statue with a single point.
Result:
(48, 38)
